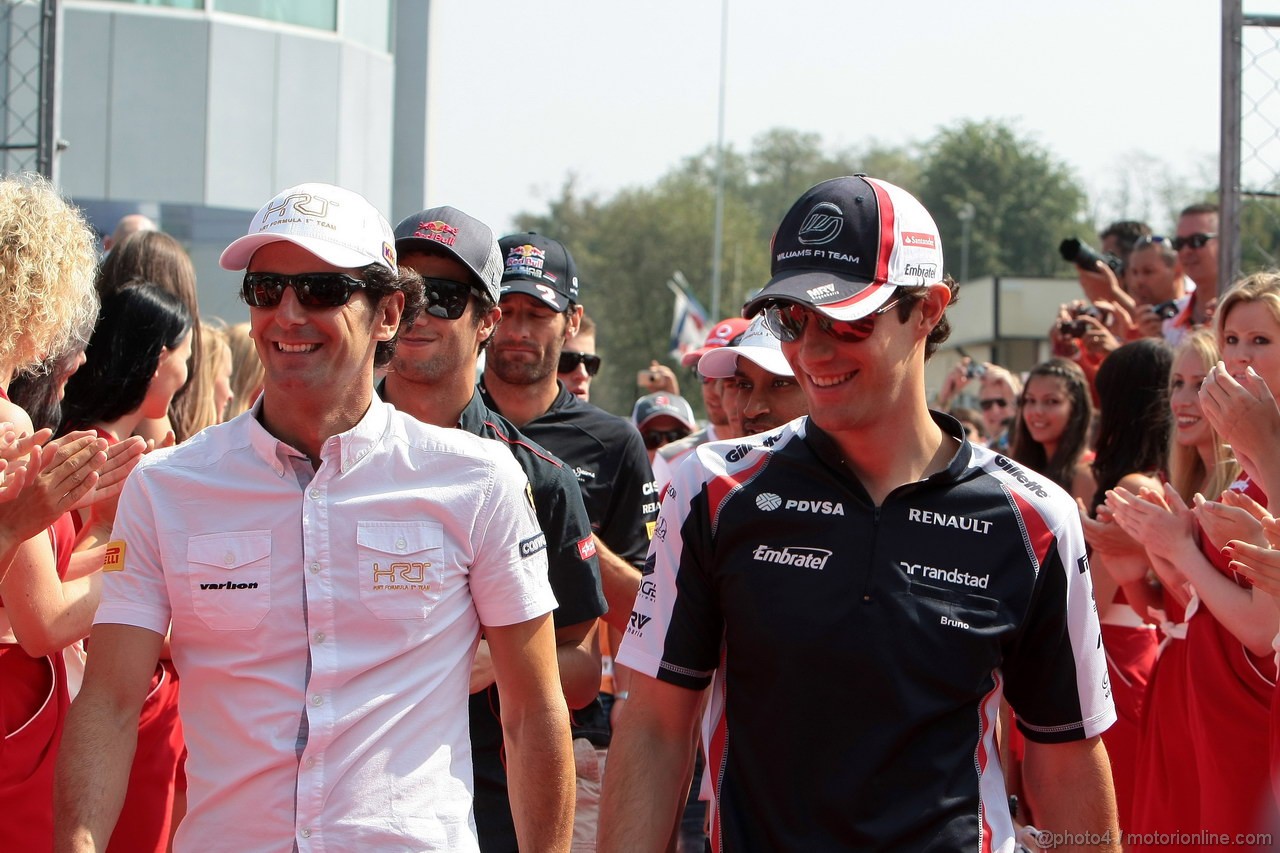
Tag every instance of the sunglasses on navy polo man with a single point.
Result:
(786, 321)
(569, 362)
(446, 299)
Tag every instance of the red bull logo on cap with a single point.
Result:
(526, 260)
(441, 232)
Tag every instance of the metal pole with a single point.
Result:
(1229, 145)
(718, 241)
(965, 215)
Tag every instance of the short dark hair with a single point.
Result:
(380, 283)
(942, 330)
(1126, 232)
(1196, 209)
(137, 323)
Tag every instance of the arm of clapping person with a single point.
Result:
(1245, 416)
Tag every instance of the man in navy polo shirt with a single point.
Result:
(865, 586)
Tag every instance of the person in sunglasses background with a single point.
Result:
(1196, 242)
(661, 419)
(541, 310)
(926, 578)
(579, 362)
(432, 376)
(1160, 288)
(328, 564)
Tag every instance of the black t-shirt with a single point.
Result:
(574, 573)
(860, 652)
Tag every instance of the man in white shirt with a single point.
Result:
(328, 564)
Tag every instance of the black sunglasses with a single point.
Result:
(446, 298)
(1193, 241)
(569, 362)
(988, 405)
(655, 438)
(786, 321)
(313, 289)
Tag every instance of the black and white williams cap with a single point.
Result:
(847, 244)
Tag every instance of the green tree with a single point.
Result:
(1024, 200)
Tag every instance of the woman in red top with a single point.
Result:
(46, 288)
(1229, 663)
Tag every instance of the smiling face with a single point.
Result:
(1190, 426)
(1250, 337)
(767, 400)
(1046, 409)
(317, 356)
(436, 350)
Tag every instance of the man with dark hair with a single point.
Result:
(1119, 237)
(540, 311)
(327, 564)
(924, 578)
(579, 362)
(1196, 242)
(433, 378)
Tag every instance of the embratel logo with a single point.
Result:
(919, 241)
(823, 224)
(440, 232)
(922, 270)
(801, 557)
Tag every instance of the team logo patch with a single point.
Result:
(440, 232)
(587, 548)
(799, 556)
(918, 240)
(649, 527)
(525, 260)
(389, 253)
(113, 560)
(533, 545)
(768, 501)
(822, 224)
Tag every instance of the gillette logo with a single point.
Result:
(800, 557)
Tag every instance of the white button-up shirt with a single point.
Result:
(324, 624)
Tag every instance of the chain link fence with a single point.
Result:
(27, 80)
(1250, 158)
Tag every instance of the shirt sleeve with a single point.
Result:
(134, 591)
(676, 626)
(633, 509)
(1056, 671)
(508, 578)
(572, 564)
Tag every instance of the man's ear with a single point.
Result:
(574, 318)
(386, 320)
(489, 321)
(934, 304)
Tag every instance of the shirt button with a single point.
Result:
(315, 568)
(311, 762)
(401, 544)
(317, 699)
(319, 636)
(315, 494)
(229, 559)
(306, 833)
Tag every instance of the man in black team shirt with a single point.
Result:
(432, 377)
(865, 586)
(540, 311)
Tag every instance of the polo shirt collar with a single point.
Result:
(826, 449)
(352, 445)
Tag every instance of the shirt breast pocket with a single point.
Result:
(401, 567)
(230, 577)
(952, 608)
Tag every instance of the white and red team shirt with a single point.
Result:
(325, 623)
(861, 652)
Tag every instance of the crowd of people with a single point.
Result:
(370, 571)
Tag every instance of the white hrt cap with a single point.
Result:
(336, 225)
(758, 345)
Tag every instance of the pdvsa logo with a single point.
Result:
(823, 507)
(768, 501)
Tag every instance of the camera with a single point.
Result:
(975, 370)
(1086, 257)
(1166, 310)
(1077, 327)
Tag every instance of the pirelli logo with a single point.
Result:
(113, 559)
